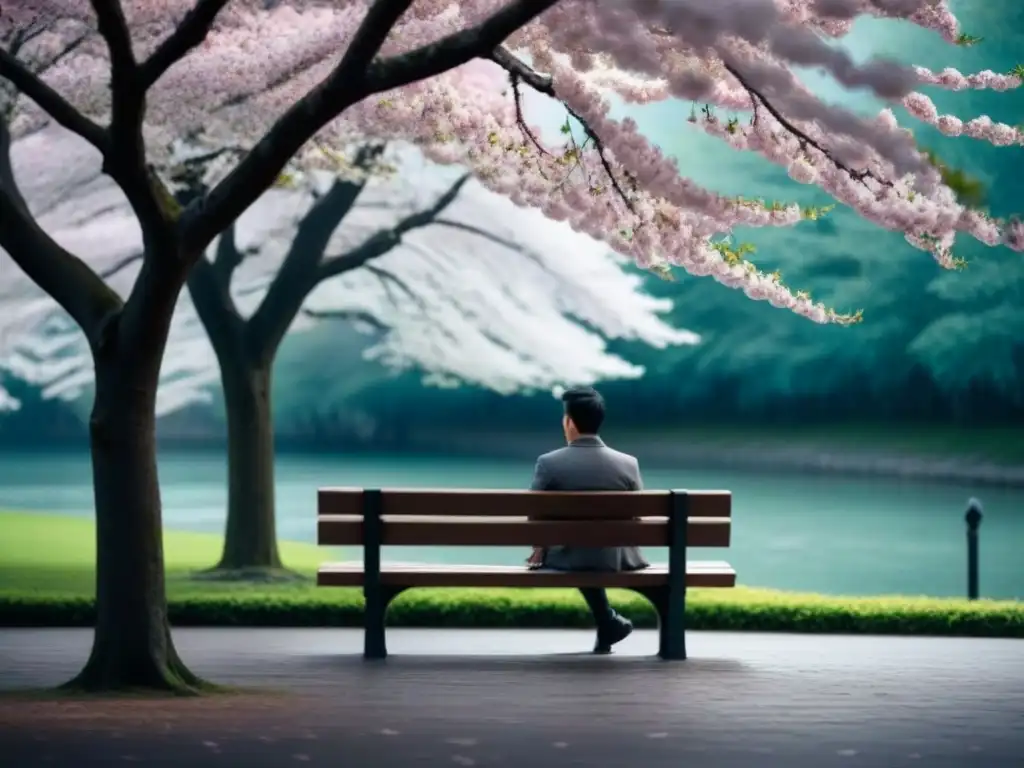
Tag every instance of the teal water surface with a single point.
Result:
(791, 531)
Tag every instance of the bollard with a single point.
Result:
(973, 520)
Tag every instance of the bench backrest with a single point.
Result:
(480, 518)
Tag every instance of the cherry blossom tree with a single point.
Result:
(440, 274)
(140, 58)
(296, 80)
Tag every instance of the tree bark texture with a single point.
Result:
(132, 646)
(250, 538)
(250, 533)
(245, 350)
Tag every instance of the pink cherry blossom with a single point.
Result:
(604, 178)
(802, 171)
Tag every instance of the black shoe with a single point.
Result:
(615, 631)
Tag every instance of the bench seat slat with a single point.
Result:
(350, 574)
(595, 505)
(437, 531)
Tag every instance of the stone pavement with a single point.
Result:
(531, 698)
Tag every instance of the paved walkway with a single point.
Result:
(529, 698)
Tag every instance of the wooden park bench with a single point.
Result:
(485, 518)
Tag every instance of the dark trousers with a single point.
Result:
(597, 601)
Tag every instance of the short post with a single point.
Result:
(973, 518)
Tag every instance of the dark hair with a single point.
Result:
(585, 407)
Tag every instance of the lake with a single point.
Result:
(803, 532)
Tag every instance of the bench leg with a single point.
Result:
(672, 627)
(374, 642)
(374, 638)
(671, 612)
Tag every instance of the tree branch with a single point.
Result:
(756, 97)
(517, 94)
(228, 256)
(472, 229)
(455, 49)
(19, 41)
(113, 28)
(346, 314)
(69, 281)
(542, 83)
(368, 39)
(126, 163)
(191, 32)
(381, 242)
(304, 266)
(52, 102)
(260, 168)
(298, 273)
(341, 89)
(211, 297)
(375, 246)
(388, 278)
(125, 92)
(72, 45)
(120, 266)
(66, 278)
(7, 181)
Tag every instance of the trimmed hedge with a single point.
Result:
(735, 610)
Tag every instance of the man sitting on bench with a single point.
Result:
(587, 464)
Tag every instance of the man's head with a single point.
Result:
(584, 412)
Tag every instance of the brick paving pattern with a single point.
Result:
(530, 699)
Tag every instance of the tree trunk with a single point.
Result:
(246, 364)
(132, 646)
(250, 540)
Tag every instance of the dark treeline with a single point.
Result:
(40, 423)
(391, 412)
(654, 404)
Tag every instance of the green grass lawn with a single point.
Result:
(54, 556)
(50, 555)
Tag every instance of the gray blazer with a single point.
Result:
(587, 464)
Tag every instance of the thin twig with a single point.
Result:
(521, 119)
(542, 83)
(756, 97)
(123, 264)
(359, 316)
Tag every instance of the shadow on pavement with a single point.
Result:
(567, 663)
